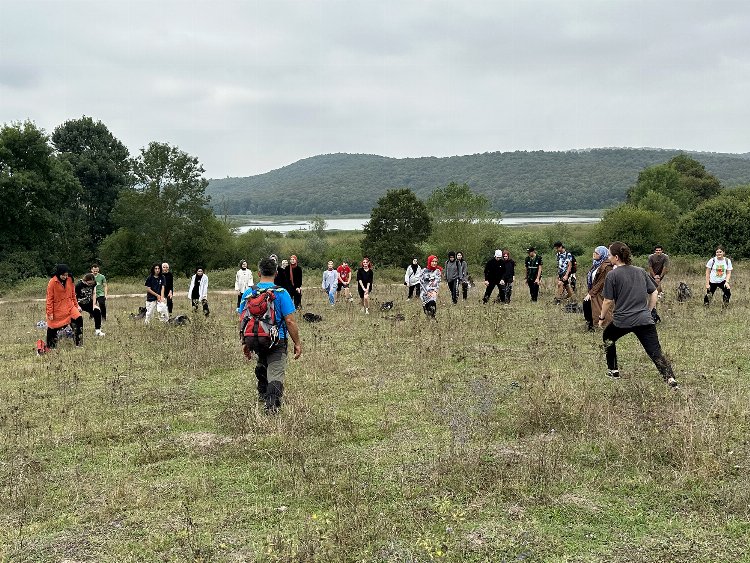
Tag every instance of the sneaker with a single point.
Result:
(672, 382)
(99, 332)
(367, 311)
(615, 373)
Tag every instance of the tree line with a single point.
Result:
(77, 196)
(518, 181)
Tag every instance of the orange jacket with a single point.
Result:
(62, 306)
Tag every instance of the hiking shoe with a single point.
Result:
(614, 373)
(672, 382)
(99, 332)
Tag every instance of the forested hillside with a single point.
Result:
(514, 182)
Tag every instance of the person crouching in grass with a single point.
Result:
(86, 296)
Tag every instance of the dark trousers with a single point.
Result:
(453, 286)
(465, 289)
(490, 288)
(712, 287)
(75, 324)
(102, 302)
(533, 289)
(648, 338)
(96, 314)
(170, 304)
(506, 291)
(297, 298)
(414, 289)
(588, 314)
(197, 302)
(239, 300)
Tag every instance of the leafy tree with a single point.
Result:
(661, 204)
(639, 228)
(457, 203)
(398, 223)
(683, 179)
(164, 216)
(101, 164)
(723, 220)
(463, 221)
(40, 202)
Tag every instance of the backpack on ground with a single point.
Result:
(41, 347)
(261, 320)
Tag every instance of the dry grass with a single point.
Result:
(491, 434)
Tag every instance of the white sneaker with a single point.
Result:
(99, 332)
(367, 311)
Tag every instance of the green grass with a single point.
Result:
(489, 435)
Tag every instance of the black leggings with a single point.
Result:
(712, 287)
(414, 288)
(648, 338)
(453, 286)
(102, 302)
(533, 289)
(490, 288)
(75, 324)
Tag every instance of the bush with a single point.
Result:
(639, 228)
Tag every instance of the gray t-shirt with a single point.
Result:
(629, 287)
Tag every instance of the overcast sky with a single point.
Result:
(251, 86)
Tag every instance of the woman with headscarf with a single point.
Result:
(430, 282)
(295, 281)
(592, 302)
(411, 277)
(62, 307)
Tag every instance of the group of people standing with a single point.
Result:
(160, 292)
(66, 301)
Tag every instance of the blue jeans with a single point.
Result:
(331, 294)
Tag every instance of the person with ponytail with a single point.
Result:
(631, 292)
(430, 282)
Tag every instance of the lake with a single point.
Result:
(356, 224)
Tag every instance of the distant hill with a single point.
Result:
(514, 181)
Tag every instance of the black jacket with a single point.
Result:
(494, 270)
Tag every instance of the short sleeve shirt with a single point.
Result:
(154, 284)
(100, 281)
(657, 263)
(563, 259)
(719, 269)
(532, 266)
(345, 272)
(283, 303)
(629, 287)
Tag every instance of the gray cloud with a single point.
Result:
(250, 86)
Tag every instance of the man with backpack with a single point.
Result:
(566, 268)
(266, 322)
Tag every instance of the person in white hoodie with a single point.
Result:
(412, 277)
(330, 282)
(198, 291)
(242, 281)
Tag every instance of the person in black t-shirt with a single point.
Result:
(168, 285)
(364, 284)
(155, 300)
(533, 264)
(86, 297)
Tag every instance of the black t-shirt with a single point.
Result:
(85, 294)
(532, 266)
(155, 284)
(168, 282)
(366, 277)
(509, 270)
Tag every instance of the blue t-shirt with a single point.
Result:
(284, 303)
(154, 284)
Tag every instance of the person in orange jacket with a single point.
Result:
(62, 306)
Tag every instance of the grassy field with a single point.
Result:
(491, 434)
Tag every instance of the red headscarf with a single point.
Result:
(430, 258)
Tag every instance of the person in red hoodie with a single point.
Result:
(62, 306)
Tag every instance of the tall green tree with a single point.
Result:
(682, 179)
(463, 221)
(164, 216)
(102, 165)
(398, 224)
(39, 224)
